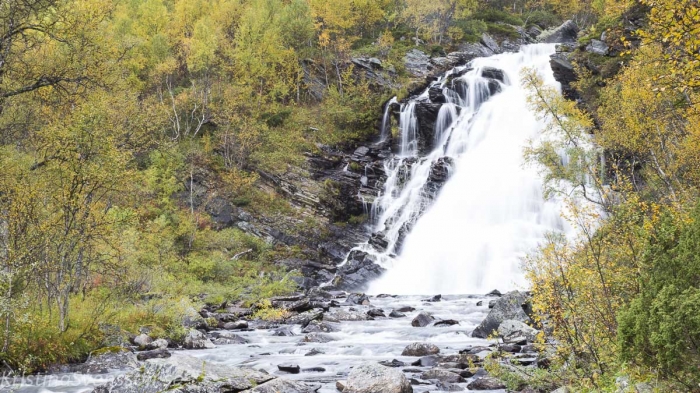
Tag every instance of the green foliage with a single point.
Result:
(494, 15)
(543, 19)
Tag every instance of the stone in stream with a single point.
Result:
(346, 315)
(314, 352)
(197, 340)
(486, 383)
(495, 292)
(154, 354)
(376, 312)
(321, 327)
(226, 338)
(492, 303)
(406, 309)
(480, 303)
(442, 375)
(448, 387)
(434, 299)
(427, 361)
(317, 338)
(314, 370)
(357, 298)
(160, 343)
(392, 363)
(289, 368)
(422, 319)
(237, 325)
(446, 322)
(305, 318)
(374, 378)
(396, 314)
(284, 331)
(281, 385)
(340, 385)
(510, 306)
(184, 373)
(420, 349)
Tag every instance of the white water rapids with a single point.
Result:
(471, 238)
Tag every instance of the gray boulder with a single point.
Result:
(374, 378)
(490, 43)
(510, 329)
(597, 47)
(154, 354)
(442, 375)
(486, 383)
(142, 340)
(345, 315)
(417, 63)
(284, 386)
(510, 306)
(321, 327)
(566, 33)
(183, 373)
(160, 343)
(304, 318)
(420, 349)
(197, 340)
(317, 338)
(422, 319)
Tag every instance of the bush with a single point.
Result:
(542, 19)
(502, 30)
(495, 16)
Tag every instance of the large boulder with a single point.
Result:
(566, 33)
(486, 383)
(422, 319)
(420, 349)
(283, 386)
(513, 330)
(357, 271)
(512, 306)
(442, 375)
(194, 339)
(183, 373)
(375, 378)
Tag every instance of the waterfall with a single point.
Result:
(470, 234)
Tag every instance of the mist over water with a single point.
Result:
(491, 211)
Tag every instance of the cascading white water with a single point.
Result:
(491, 211)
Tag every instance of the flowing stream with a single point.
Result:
(470, 238)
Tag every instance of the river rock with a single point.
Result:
(194, 339)
(376, 313)
(238, 325)
(442, 375)
(486, 383)
(422, 319)
(305, 318)
(184, 374)
(317, 338)
(289, 368)
(509, 329)
(427, 361)
(494, 73)
(358, 299)
(227, 338)
(282, 385)
(446, 322)
(448, 387)
(154, 354)
(283, 331)
(566, 33)
(345, 315)
(406, 309)
(420, 349)
(160, 343)
(374, 378)
(396, 314)
(392, 363)
(510, 306)
(321, 327)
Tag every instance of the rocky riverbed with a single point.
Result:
(360, 344)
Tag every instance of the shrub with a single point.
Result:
(495, 16)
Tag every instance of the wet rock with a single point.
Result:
(317, 338)
(374, 378)
(160, 343)
(392, 363)
(486, 383)
(192, 319)
(154, 354)
(512, 348)
(420, 349)
(184, 373)
(289, 368)
(442, 375)
(511, 306)
(426, 116)
(492, 303)
(359, 269)
(314, 370)
(434, 299)
(376, 313)
(102, 362)
(565, 74)
(345, 315)
(436, 95)
(305, 318)
(566, 33)
(509, 329)
(358, 299)
(314, 352)
(227, 338)
(446, 322)
(321, 327)
(340, 385)
(597, 47)
(284, 331)
(479, 303)
(495, 292)
(448, 387)
(396, 314)
(406, 309)
(427, 361)
(494, 73)
(194, 339)
(422, 319)
(490, 43)
(238, 325)
(282, 385)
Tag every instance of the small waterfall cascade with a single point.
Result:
(460, 207)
